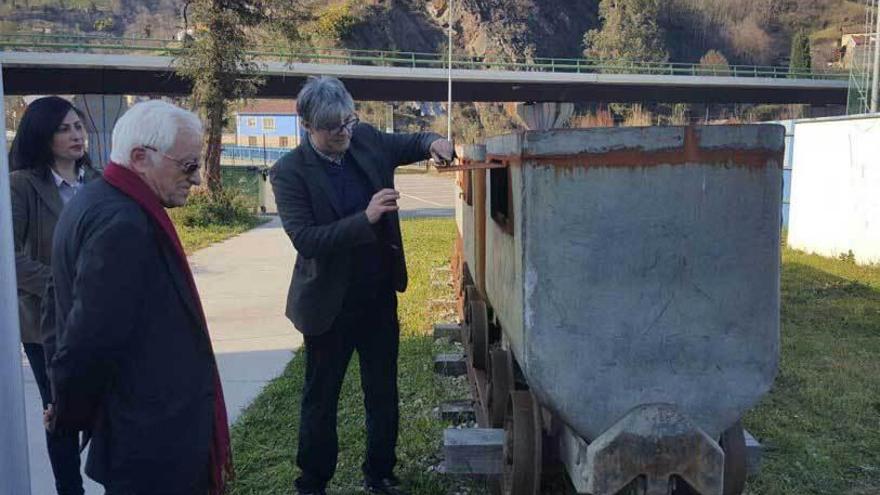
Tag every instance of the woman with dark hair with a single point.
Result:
(49, 165)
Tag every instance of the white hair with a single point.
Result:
(153, 123)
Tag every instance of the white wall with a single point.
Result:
(835, 190)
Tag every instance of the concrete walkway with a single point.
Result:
(243, 284)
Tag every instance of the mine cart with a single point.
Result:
(620, 298)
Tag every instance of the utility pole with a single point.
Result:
(875, 80)
(449, 88)
(389, 117)
(14, 467)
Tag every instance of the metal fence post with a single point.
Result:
(14, 468)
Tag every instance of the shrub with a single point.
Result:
(714, 62)
(205, 208)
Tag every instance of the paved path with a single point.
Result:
(243, 285)
(426, 195)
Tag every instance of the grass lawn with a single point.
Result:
(821, 422)
(265, 438)
(194, 238)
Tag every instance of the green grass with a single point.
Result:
(265, 438)
(198, 237)
(195, 238)
(820, 423)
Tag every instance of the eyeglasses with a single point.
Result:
(348, 125)
(188, 167)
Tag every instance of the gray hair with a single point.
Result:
(151, 123)
(323, 102)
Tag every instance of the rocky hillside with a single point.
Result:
(745, 31)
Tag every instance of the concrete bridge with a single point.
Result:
(33, 72)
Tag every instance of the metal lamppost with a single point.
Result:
(14, 468)
(449, 76)
(875, 80)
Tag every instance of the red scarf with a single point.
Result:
(129, 183)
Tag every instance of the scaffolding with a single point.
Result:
(864, 65)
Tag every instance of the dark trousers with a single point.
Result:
(63, 447)
(368, 325)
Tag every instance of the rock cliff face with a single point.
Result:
(505, 29)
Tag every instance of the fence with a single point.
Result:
(264, 156)
(384, 58)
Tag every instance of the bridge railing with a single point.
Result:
(421, 60)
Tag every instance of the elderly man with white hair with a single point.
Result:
(133, 363)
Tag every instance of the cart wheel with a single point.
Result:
(522, 446)
(479, 330)
(733, 443)
(471, 294)
(500, 385)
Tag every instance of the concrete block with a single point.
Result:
(459, 411)
(473, 450)
(451, 331)
(450, 364)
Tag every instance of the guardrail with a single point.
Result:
(413, 60)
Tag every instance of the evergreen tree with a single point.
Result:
(801, 58)
(216, 61)
(630, 32)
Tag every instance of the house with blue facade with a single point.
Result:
(264, 128)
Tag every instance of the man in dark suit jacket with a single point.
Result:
(134, 363)
(336, 198)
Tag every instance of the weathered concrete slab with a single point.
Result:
(451, 331)
(459, 411)
(450, 364)
(473, 450)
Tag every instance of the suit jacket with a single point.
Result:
(324, 240)
(36, 206)
(131, 343)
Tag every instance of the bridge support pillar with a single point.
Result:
(542, 116)
(102, 112)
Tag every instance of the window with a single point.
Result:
(269, 123)
(251, 121)
(500, 206)
(252, 141)
(283, 142)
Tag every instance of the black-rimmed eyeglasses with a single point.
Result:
(348, 125)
